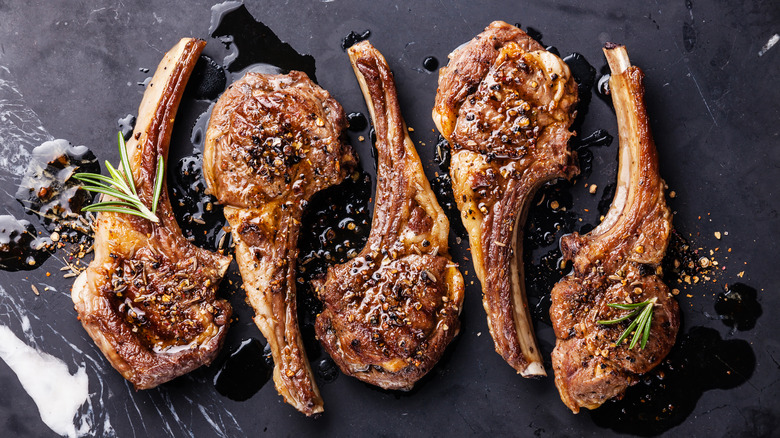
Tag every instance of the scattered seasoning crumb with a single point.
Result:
(479, 333)
(35, 289)
(410, 129)
(741, 273)
(361, 138)
(672, 194)
(675, 291)
(717, 235)
(689, 295)
(554, 205)
(593, 188)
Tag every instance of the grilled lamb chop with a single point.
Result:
(390, 312)
(148, 299)
(505, 105)
(273, 141)
(617, 262)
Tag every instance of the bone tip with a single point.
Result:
(534, 369)
(617, 57)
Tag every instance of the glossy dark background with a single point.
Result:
(713, 106)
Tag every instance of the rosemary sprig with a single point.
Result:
(122, 187)
(640, 325)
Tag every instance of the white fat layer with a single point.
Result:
(57, 393)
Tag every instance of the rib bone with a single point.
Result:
(617, 262)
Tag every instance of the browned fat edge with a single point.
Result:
(157, 141)
(383, 102)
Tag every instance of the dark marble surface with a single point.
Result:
(71, 70)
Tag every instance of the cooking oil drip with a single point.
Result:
(197, 213)
(20, 246)
(353, 38)
(738, 307)
(335, 226)
(48, 192)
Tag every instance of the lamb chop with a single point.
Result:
(148, 299)
(390, 312)
(616, 268)
(273, 141)
(505, 105)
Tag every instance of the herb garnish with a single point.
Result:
(640, 325)
(122, 187)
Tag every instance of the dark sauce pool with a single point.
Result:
(246, 369)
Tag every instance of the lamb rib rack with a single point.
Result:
(616, 263)
(148, 299)
(272, 142)
(390, 312)
(505, 106)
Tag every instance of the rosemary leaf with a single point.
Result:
(158, 182)
(121, 186)
(125, 162)
(640, 326)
